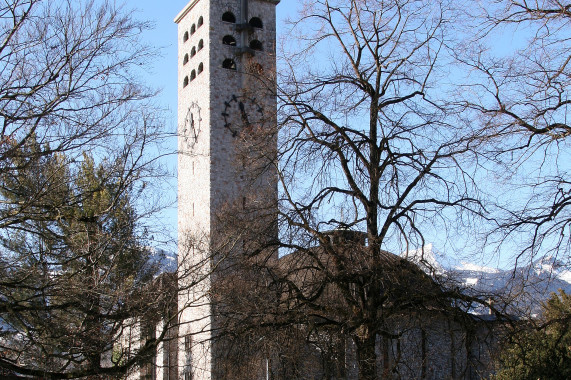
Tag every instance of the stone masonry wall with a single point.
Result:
(210, 173)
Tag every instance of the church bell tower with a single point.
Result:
(226, 123)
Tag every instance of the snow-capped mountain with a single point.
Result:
(520, 290)
(166, 261)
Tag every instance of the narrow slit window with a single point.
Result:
(200, 45)
(185, 82)
(187, 343)
(193, 29)
(200, 21)
(256, 45)
(229, 17)
(193, 52)
(229, 40)
(185, 37)
(256, 22)
(193, 75)
(185, 60)
(229, 64)
(200, 68)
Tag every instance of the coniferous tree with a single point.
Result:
(74, 269)
(77, 128)
(541, 350)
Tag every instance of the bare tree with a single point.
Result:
(365, 145)
(368, 130)
(77, 127)
(516, 91)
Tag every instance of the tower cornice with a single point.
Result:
(190, 5)
(187, 9)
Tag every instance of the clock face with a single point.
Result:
(242, 113)
(191, 125)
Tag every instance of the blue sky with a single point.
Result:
(163, 74)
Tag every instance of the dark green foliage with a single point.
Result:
(543, 350)
(73, 266)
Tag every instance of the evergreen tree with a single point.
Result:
(74, 268)
(541, 351)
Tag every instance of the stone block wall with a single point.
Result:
(217, 86)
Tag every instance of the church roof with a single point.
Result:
(346, 261)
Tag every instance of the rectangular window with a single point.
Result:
(187, 343)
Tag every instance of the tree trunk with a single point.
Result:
(366, 357)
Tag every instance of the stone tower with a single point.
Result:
(226, 106)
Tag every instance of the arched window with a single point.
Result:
(185, 60)
(256, 22)
(229, 17)
(256, 45)
(229, 64)
(229, 40)
(200, 67)
(193, 52)
(200, 44)
(185, 37)
(185, 82)
(193, 29)
(200, 21)
(193, 75)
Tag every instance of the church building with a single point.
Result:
(227, 205)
